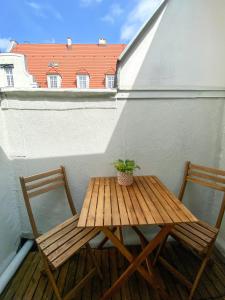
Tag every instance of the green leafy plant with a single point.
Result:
(126, 166)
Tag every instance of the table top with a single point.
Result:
(146, 202)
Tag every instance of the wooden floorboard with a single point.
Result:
(28, 283)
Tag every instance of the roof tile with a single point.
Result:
(97, 60)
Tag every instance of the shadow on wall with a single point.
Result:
(159, 135)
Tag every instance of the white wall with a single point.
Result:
(221, 237)
(20, 75)
(161, 134)
(183, 48)
(10, 229)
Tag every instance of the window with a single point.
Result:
(9, 76)
(82, 81)
(109, 81)
(54, 81)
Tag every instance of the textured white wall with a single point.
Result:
(160, 134)
(10, 229)
(21, 77)
(221, 237)
(184, 49)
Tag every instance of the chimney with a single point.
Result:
(12, 45)
(102, 42)
(69, 42)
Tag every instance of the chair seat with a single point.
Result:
(198, 235)
(61, 242)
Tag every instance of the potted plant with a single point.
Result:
(125, 169)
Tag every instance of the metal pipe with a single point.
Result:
(14, 265)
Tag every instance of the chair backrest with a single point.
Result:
(209, 177)
(38, 184)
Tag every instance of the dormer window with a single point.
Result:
(54, 81)
(83, 81)
(9, 76)
(109, 81)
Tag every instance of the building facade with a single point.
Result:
(81, 66)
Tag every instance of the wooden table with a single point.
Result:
(147, 201)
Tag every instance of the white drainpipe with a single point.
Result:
(14, 265)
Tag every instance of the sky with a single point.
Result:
(85, 21)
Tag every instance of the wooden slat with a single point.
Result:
(107, 207)
(113, 270)
(73, 241)
(191, 236)
(58, 235)
(145, 208)
(161, 205)
(105, 269)
(138, 211)
(177, 274)
(72, 272)
(196, 232)
(122, 208)
(80, 284)
(187, 240)
(48, 293)
(209, 227)
(46, 189)
(24, 283)
(206, 176)
(152, 203)
(42, 175)
(207, 169)
(41, 287)
(80, 270)
(212, 284)
(99, 217)
(86, 204)
(179, 204)
(62, 278)
(56, 229)
(146, 201)
(15, 282)
(204, 183)
(60, 242)
(93, 205)
(70, 251)
(114, 204)
(203, 230)
(44, 182)
(130, 209)
(175, 211)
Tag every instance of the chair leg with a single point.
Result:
(94, 261)
(198, 277)
(52, 280)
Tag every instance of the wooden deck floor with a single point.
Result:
(29, 284)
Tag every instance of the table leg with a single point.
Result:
(150, 265)
(135, 262)
(143, 242)
(119, 233)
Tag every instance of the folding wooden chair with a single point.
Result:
(200, 237)
(58, 244)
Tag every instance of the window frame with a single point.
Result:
(80, 83)
(108, 81)
(58, 81)
(9, 76)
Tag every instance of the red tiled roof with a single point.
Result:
(97, 60)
